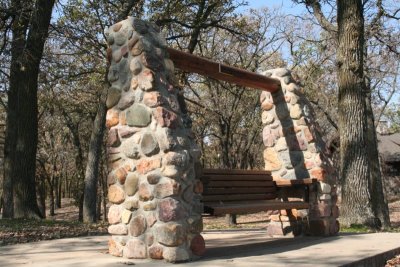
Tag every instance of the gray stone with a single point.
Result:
(126, 100)
(267, 73)
(281, 72)
(131, 204)
(170, 234)
(138, 115)
(119, 38)
(287, 79)
(130, 149)
(175, 254)
(113, 73)
(140, 26)
(135, 66)
(166, 139)
(131, 184)
(113, 97)
(153, 177)
(149, 145)
(292, 159)
(282, 111)
(110, 39)
(137, 225)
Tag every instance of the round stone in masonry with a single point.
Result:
(138, 116)
(281, 72)
(113, 96)
(131, 184)
(149, 144)
(133, 40)
(135, 66)
(170, 234)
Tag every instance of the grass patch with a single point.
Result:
(356, 228)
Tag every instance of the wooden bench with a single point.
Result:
(251, 191)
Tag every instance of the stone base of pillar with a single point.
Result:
(285, 224)
(322, 227)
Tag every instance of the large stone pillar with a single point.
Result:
(294, 149)
(155, 197)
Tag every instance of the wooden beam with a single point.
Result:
(191, 63)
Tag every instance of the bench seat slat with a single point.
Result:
(220, 209)
(229, 184)
(222, 171)
(223, 198)
(238, 190)
(241, 177)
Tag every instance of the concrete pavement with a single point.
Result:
(225, 248)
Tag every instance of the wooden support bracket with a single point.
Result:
(191, 63)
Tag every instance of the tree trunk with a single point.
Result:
(354, 164)
(42, 195)
(92, 166)
(51, 191)
(379, 204)
(29, 31)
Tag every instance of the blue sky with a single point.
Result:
(287, 5)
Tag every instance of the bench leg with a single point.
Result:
(230, 219)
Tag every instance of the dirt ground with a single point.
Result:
(69, 212)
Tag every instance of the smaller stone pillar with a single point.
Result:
(155, 197)
(294, 149)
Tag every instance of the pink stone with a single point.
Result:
(117, 27)
(335, 211)
(146, 165)
(116, 194)
(145, 192)
(307, 134)
(170, 209)
(309, 165)
(270, 136)
(112, 138)
(197, 245)
(118, 229)
(153, 99)
(156, 252)
(166, 189)
(166, 118)
(137, 226)
(114, 248)
(318, 173)
(114, 214)
(126, 131)
(124, 51)
(151, 219)
(296, 143)
(112, 118)
(198, 187)
(135, 249)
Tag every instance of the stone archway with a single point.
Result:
(154, 161)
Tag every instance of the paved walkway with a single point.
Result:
(228, 248)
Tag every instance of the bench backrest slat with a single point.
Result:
(237, 185)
